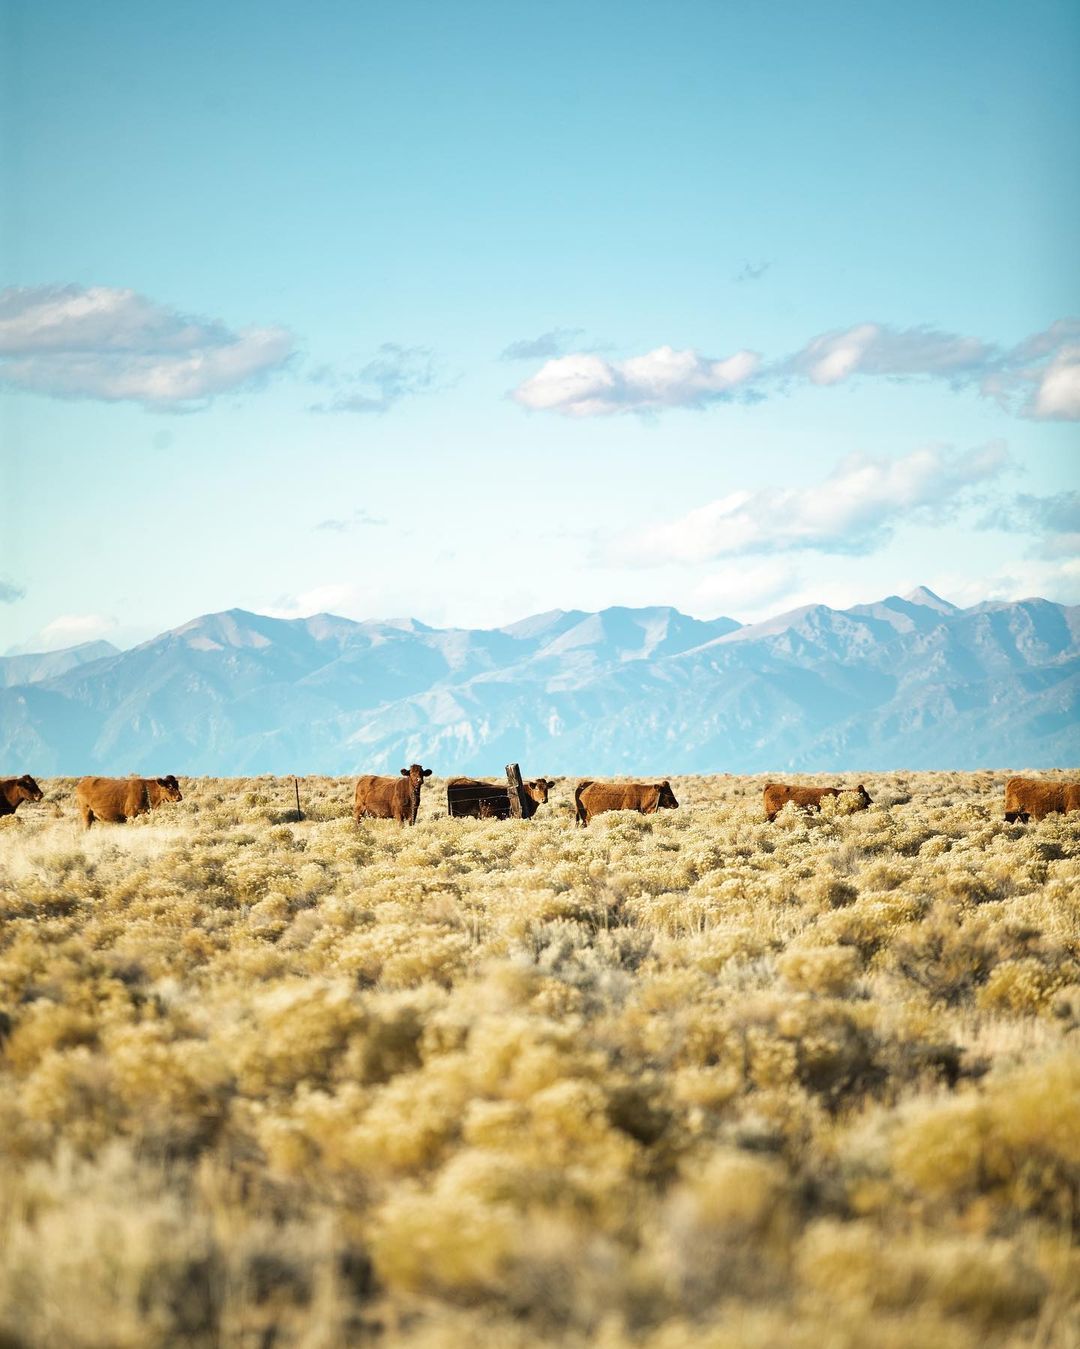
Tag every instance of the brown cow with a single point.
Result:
(118, 799)
(391, 798)
(778, 794)
(14, 790)
(1029, 799)
(491, 800)
(594, 798)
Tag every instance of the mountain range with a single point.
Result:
(907, 682)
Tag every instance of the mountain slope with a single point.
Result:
(907, 681)
(33, 667)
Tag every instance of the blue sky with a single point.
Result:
(729, 306)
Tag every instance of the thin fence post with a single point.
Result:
(516, 791)
(296, 786)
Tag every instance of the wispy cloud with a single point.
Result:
(10, 593)
(1041, 377)
(588, 385)
(876, 349)
(552, 343)
(1025, 513)
(853, 511)
(395, 373)
(115, 345)
(357, 520)
(1054, 520)
(751, 271)
(1038, 378)
(70, 630)
(1055, 579)
(737, 588)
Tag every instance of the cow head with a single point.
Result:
(170, 788)
(667, 798)
(538, 789)
(864, 796)
(416, 775)
(31, 791)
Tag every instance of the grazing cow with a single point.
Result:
(1029, 799)
(778, 794)
(14, 790)
(391, 798)
(118, 799)
(594, 798)
(491, 800)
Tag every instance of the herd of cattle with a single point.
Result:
(387, 798)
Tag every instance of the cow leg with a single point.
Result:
(87, 817)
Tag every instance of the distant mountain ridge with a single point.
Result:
(31, 667)
(909, 681)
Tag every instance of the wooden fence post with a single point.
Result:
(296, 785)
(516, 791)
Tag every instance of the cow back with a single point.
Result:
(596, 798)
(114, 799)
(1036, 799)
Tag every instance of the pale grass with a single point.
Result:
(686, 1080)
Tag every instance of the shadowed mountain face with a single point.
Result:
(907, 682)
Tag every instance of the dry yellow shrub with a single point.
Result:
(669, 1082)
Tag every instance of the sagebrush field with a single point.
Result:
(683, 1080)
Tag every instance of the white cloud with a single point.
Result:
(588, 385)
(876, 349)
(71, 630)
(738, 589)
(1039, 378)
(1057, 396)
(116, 345)
(854, 511)
(1052, 580)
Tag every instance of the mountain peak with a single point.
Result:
(229, 628)
(925, 596)
(913, 681)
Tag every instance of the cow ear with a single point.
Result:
(162, 783)
(404, 772)
(427, 772)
